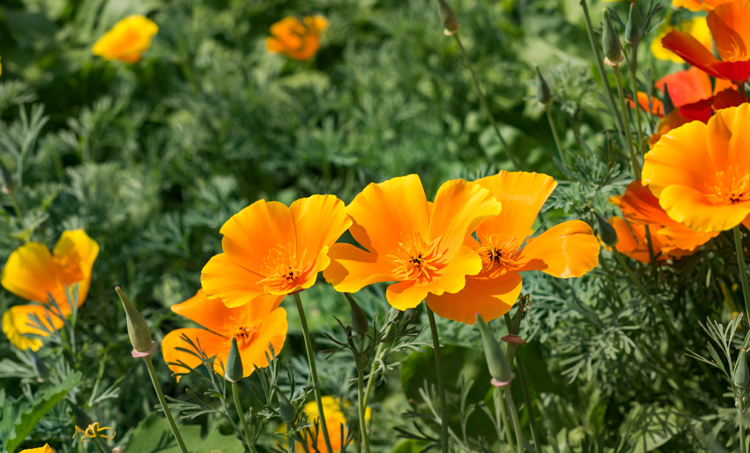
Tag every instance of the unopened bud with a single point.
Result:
(607, 232)
(497, 362)
(40, 368)
(667, 103)
(611, 42)
(286, 408)
(138, 331)
(450, 23)
(359, 320)
(234, 372)
(8, 185)
(543, 94)
(741, 374)
(632, 32)
(117, 450)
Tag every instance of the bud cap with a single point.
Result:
(607, 232)
(543, 94)
(359, 320)
(632, 33)
(497, 362)
(138, 331)
(286, 408)
(611, 42)
(234, 371)
(450, 23)
(742, 374)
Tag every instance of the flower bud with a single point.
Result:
(667, 103)
(607, 232)
(632, 33)
(286, 408)
(40, 368)
(8, 185)
(742, 374)
(611, 42)
(234, 371)
(543, 94)
(117, 450)
(497, 362)
(140, 335)
(450, 23)
(359, 320)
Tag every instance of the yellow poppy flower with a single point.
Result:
(295, 38)
(127, 40)
(45, 449)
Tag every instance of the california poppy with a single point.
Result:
(701, 172)
(565, 250)
(295, 38)
(699, 5)
(334, 414)
(34, 273)
(255, 326)
(410, 240)
(631, 240)
(127, 40)
(45, 449)
(730, 28)
(270, 248)
(696, 27)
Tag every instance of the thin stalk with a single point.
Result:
(506, 422)
(360, 397)
(634, 82)
(378, 356)
(554, 133)
(636, 168)
(243, 420)
(499, 415)
(313, 372)
(602, 72)
(514, 417)
(164, 406)
(441, 384)
(486, 106)
(743, 446)
(651, 254)
(741, 264)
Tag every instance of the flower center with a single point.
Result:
(498, 254)
(245, 333)
(284, 270)
(729, 187)
(417, 259)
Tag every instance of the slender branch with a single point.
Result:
(164, 405)
(741, 264)
(636, 167)
(634, 83)
(514, 418)
(554, 133)
(360, 396)
(378, 357)
(441, 384)
(243, 420)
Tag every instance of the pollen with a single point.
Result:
(729, 187)
(417, 259)
(245, 333)
(498, 254)
(284, 269)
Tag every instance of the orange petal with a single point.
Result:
(459, 208)
(522, 196)
(692, 51)
(689, 206)
(698, 111)
(643, 101)
(319, 221)
(272, 332)
(632, 240)
(352, 268)
(730, 28)
(727, 98)
(76, 249)
(214, 315)
(452, 279)
(672, 121)
(127, 40)
(30, 272)
(209, 342)
(641, 206)
(569, 249)
(734, 151)
(18, 323)
(686, 87)
(225, 279)
(384, 214)
(491, 298)
(684, 238)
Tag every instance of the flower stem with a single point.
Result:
(378, 354)
(360, 397)
(636, 168)
(313, 372)
(243, 420)
(504, 415)
(634, 82)
(554, 133)
(514, 418)
(512, 158)
(741, 264)
(441, 384)
(164, 405)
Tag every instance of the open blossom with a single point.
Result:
(34, 273)
(335, 420)
(45, 449)
(255, 326)
(730, 28)
(295, 38)
(696, 27)
(701, 172)
(699, 5)
(270, 248)
(127, 40)
(406, 239)
(565, 250)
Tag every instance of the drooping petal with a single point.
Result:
(728, 98)
(19, 321)
(641, 206)
(695, 28)
(698, 111)
(684, 238)
(211, 343)
(272, 332)
(730, 28)
(692, 51)
(76, 251)
(522, 196)
(319, 221)
(352, 268)
(686, 87)
(459, 208)
(385, 214)
(235, 285)
(569, 249)
(209, 313)
(31, 272)
(689, 206)
(491, 298)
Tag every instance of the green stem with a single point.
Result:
(164, 405)
(741, 423)
(378, 356)
(499, 415)
(486, 106)
(514, 418)
(361, 398)
(243, 420)
(313, 372)
(651, 254)
(554, 133)
(626, 120)
(741, 264)
(441, 385)
(634, 82)
(506, 422)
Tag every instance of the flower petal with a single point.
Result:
(272, 332)
(18, 323)
(491, 298)
(211, 343)
(686, 87)
(730, 28)
(30, 272)
(684, 238)
(223, 278)
(631, 240)
(352, 268)
(319, 221)
(692, 51)
(728, 98)
(689, 206)
(76, 249)
(569, 249)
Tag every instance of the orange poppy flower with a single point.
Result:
(127, 40)
(45, 449)
(696, 28)
(33, 273)
(254, 325)
(730, 28)
(335, 419)
(565, 250)
(295, 38)
(270, 248)
(631, 240)
(701, 172)
(411, 241)
(699, 5)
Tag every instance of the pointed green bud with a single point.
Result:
(8, 185)
(497, 362)
(632, 32)
(359, 320)
(742, 374)
(607, 232)
(286, 408)
(450, 23)
(543, 94)
(611, 42)
(667, 103)
(82, 419)
(138, 331)
(234, 371)
(40, 368)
